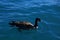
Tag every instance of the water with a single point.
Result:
(28, 10)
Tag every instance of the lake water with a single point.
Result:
(27, 10)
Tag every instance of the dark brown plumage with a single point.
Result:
(25, 25)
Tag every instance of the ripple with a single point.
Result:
(25, 14)
(42, 8)
(2, 35)
(50, 23)
(53, 34)
(26, 4)
(0, 28)
(21, 14)
(57, 16)
(50, 31)
(1, 20)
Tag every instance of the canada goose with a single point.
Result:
(25, 25)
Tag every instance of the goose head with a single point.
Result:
(36, 22)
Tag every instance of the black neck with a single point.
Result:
(35, 23)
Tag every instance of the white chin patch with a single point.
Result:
(37, 27)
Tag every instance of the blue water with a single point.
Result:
(27, 10)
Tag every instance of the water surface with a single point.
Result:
(28, 10)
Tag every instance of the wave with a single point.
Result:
(26, 4)
(54, 34)
(20, 14)
(49, 31)
(1, 20)
(42, 7)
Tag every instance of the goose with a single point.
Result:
(25, 25)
